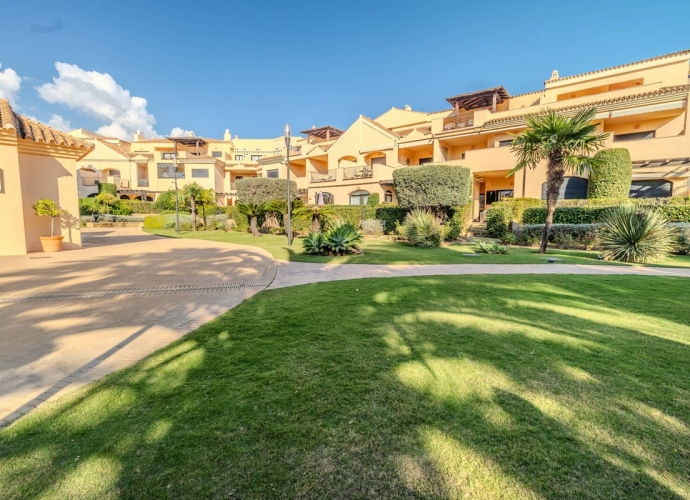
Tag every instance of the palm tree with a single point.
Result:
(193, 192)
(253, 211)
(280, 206)
(316, 214)
(566, 143)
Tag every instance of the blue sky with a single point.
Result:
(253, 66)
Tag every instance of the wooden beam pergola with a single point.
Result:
(326, 132)
(479, 99)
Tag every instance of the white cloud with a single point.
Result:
(10, 82)
(180, 132)
(58, 122)
(98, 95)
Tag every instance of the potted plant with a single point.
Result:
(45, 207)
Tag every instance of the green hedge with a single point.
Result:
(373, 199)
(498, 221)
(140, 207)
(560, 234)
(263, 189)
(241, 220)
(432, 186)
(518, 206)
(590, 215)
(613, 178)
(107, 187)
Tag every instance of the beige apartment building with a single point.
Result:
(643, 105)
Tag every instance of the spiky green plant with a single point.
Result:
(253, 211)
(314, 243)
(421, 229)
(630, 233)
(342, 239)
(492, 248)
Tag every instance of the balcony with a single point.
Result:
(363, 172)
(331, 175)
(89, 181)
(143, 183)
(463, 121)
(123, 183)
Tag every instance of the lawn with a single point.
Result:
(509, 387)
(384, 251)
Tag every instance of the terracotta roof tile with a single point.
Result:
(424, 130)
(33, 130)
(403, 133)
(658, 58)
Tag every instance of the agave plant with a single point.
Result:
(314, 243)
(630, 233)
(421, 229)
(492, 248)
(342, 239)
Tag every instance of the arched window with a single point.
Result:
(388, 196)
(328, 198)
(359, 198)
(573, 188)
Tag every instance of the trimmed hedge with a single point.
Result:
(614, 177)
(432, 186)
(518, 205)
(140, 207)
(262, 190)
(107, 187)
(373, 199)
(562, 234)
(591, 215)
(498, 221)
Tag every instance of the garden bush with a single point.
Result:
(432, 186)
(492, 248)
(372, 227)
(517, 206)
(373, 199)
(683, 241)
(613, 177)
(340, 238)
(592, 214)
(140, 207)
(640, 234)
(498, 221)
(421, 229)
(107, 187)
(564, 235)
(166, 201)
(262, 190)
(166, 221)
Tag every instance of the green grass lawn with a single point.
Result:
(384, 251)
(510, 387)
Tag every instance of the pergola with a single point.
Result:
(187, 141)
(327, 132)
(478, 99)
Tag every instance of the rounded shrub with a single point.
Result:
(630, 233)
(432, 186)
(421, 229)
(498, 221)
(613, 177)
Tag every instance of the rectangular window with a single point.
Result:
(494, 196)
(200, 173)
(635, 136)
(272, 174)
(381, 160)
(166, 171)
(217, 154)
(255, 157)
(239, 157)
(424, 161)
(507, 142)
(167, 156)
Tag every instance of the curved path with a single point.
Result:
(73, 317)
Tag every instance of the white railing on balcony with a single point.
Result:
(361, 172)
(143, 183)
(463, 120)
(331, 175)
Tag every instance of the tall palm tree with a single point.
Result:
(566, 143)
(253, 211)
(193, 192)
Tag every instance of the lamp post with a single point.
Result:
(177, 198)
(288, 223)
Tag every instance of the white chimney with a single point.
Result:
(191, 133)
(407, 107)
(139, 136)
(227, 136)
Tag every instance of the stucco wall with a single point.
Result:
(13, 241)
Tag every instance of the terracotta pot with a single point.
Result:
(51, 243)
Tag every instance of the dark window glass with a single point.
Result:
(328, 198)
(381, 160)
(507, 142)
(636, 136)
(200, 173)
(653, 188)
(494, 196)
(217, 154)
(165, 171)
(272, 174)
(573, 188)
(424, 161)
(388, 196)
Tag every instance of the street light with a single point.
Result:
(288, 224)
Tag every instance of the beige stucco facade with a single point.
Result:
(36, 162)
(642, 105)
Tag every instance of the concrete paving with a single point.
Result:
(71, 318)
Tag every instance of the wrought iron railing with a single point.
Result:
(362, 172)
(143, 183)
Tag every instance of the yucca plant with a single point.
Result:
(314, 243)
(342, 239)
(421, 229)
(630, 233)
(492, 248)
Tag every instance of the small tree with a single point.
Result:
(280, 206)
(45, 207)
(432, 186)
(317, 214)
(105, 201)
(207, 199)
(193, 192)
(262, 190)
(565, 143)
(253, 211)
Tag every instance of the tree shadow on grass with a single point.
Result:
(396, 388)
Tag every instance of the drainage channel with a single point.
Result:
(115, 292)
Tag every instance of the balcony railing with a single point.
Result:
(363, 172)
(464, 120)
(331, 175)
(123, 183)
(86, 181)
(143, 183)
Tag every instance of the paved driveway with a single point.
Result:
(67, 319)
